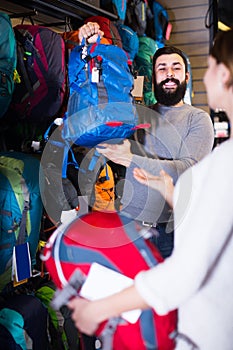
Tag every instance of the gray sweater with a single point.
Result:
(178, 138)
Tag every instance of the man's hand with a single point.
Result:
(117, 153)
(90, 32)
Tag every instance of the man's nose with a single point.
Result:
(170, 72)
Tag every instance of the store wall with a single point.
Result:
(190, 35)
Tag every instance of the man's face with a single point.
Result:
(170, 79)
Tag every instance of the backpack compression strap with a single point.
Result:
(26, 206)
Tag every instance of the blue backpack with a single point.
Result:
(130, 41)
(8, 61)
(21, 208)
(117, 7)
(158, 27)
(189, 89)
(100, 107)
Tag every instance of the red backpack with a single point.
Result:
(109, 28)
(42, 68)
(112, 240)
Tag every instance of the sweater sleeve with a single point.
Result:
(195, 142)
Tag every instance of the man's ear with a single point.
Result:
(187, 77)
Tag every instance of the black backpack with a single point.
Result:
(137, 15)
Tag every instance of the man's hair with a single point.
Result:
(168, 50)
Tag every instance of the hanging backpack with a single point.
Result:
(12, 338)
(62, 331)
(137, 15)
(92, 178)
(189, 89)
(8, 62)
(143, 65)
(113, 241)
(117, 7)
(23, 323)
(41, 66)
(87, 175)
(21, 208)
(100, 105)
(158, 26)
(130, 41)
(104, 190)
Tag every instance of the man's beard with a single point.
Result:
(168, 97)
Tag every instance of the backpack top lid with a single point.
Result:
(147, 49)
(7, 41)
(100, 229)
(130, 41)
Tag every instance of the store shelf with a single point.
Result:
(52, 11)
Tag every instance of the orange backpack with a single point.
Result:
(104, 191)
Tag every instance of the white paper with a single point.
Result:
(68, 216)
(102, 282)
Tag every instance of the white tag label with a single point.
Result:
(84, 52)
(95, 75)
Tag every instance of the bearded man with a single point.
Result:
(180, 135)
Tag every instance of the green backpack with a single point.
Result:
(143, 64)
(63, 333)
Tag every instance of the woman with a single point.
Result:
(196, 278)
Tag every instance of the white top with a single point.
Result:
(197, 279)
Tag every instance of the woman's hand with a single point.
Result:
(90, 32)
(88, 315)
(162, 183)
(84, 315)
